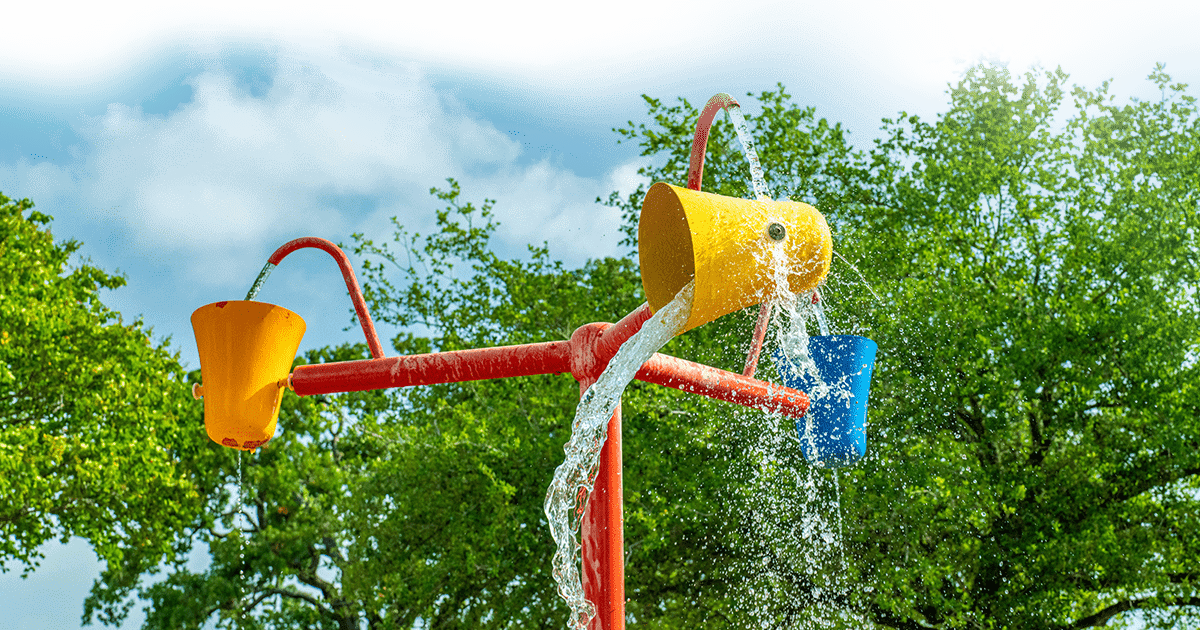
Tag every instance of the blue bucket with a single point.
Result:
(833, 432)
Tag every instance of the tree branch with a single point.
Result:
(294, 594)
(885, 617)
(1102, 616)
(1128, 486)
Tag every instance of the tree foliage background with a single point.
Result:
(1032, 261)
(1027, 262)
(95, 422)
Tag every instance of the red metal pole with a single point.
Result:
(696, 378)
(539, 358)
(760, 334)
(426, 369)
(360, 305)
(700, 139)
(602, 532)
(613, 336)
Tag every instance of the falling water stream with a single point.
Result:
(793, 563)
(758, 182)
(795, 551)
(794, 531)
(757, 179)
(237, 517)
(258, 282)
(574, 479)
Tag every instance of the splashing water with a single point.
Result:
(574, 479)
(792, 336)
(795, 563)
(861, 276)
(818, 304)
(841, 529)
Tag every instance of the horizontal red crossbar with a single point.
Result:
(428, 369)
(539, 358)
(695, 378)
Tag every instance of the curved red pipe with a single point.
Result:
(695, 175)
(360, 305)
(700, 141)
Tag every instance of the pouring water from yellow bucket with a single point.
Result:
(724, 244)
(246, 352)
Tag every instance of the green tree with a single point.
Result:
(1027, 263)
(1033, 287)
(401, 508)
(94, 416)
(1042, 268)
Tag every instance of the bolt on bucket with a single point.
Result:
(833, 431)
(246, 352)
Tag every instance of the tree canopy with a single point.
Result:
(94, 415)
(1027, 262)
(1030, 267)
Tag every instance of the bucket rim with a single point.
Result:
(222, 303)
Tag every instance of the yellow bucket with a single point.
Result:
(246, 352)
(731, 247)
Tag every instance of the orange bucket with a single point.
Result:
(246, 353)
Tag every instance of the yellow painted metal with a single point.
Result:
(724, 244)
(246, 352)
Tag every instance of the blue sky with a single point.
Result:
(182, 147)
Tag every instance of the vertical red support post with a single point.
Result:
(602, 528)
(602, 533)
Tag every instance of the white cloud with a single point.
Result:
(229, 176)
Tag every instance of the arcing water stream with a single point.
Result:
(575, 477)
(757, 179)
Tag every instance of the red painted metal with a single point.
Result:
(613, 336)
(760, 334)
(428, 369)
(585, 356)
(696, 378)
(700, 139)
(360, 305)
(602, 531)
